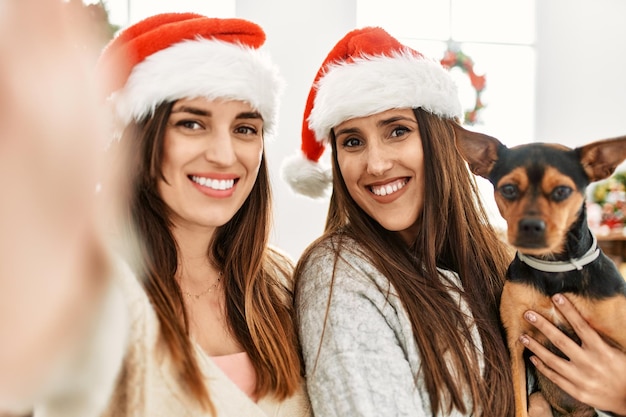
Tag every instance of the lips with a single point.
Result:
(389, 188)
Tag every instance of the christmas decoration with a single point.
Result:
(455, 58)
(610, 196)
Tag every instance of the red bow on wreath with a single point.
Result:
(456, 58)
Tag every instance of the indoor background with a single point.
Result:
(554, 70)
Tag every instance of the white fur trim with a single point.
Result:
(202, 68)
(306, 177)
(372, 84)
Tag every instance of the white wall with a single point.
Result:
(299, 35)
(581, 73)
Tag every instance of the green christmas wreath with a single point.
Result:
(455, 58)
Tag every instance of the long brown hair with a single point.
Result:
(257, 278)
(455, 234)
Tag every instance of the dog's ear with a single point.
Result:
(599, 159)
(479, 150)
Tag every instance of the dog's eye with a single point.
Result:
(509, 191)
(561, 193)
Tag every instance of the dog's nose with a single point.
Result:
(532, 228)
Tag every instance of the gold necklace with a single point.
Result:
(208, 290)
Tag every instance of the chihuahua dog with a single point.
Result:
(539, 189)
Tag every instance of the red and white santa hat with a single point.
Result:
(367, 72)
(171, 56)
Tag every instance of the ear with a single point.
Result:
(599, 159)
(479, 150)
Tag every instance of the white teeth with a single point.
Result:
(213, 183)
(389, 188)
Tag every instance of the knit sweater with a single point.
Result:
(148, 387)
(364, 360)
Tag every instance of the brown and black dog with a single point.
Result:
(540, 192)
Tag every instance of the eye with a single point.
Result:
(189, 124)
(247, 130)
(399, 132)
(351, 142)
(509, 191)
(560, 193)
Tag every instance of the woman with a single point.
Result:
(398, 300)
(212, 330)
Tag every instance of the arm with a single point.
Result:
(54, 286)
(361, 368)
(595, 373)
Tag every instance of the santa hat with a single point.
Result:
(171, 56)
(367, 72)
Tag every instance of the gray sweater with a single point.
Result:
(368, 359)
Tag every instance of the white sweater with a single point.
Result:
(130, 375)
(148, 386)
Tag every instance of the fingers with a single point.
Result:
(578, 323)
(593, 372)
(548, 364)
(545, 361)
(562, 342)
(558, 338)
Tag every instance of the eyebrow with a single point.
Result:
(201, 112)
(193, 110)
(346, 131)
(380, 123)
(250, 115)
(394, 119)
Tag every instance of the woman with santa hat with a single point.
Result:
(194, 99)
(195, 318)
(398, 300)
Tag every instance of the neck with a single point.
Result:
(194, 262)
(580, 249)
(578, 239)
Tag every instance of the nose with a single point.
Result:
(532, 228)
(219, 148)
(379, 159)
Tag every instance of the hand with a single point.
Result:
(51, 273)
(595, 373)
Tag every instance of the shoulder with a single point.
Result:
(280, 266)
(278, 257)
(336, 254)
(340, 263)
(143, 323)
(297, 405)
(131, 288)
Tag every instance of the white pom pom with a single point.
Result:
(306, 177)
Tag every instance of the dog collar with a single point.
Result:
(562, 266)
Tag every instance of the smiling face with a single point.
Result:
(212, 152)
(381, 161)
